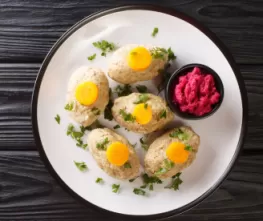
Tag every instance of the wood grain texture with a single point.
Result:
(29, 28)
(16, 86)
(28, 193)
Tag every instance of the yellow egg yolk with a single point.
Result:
(142, 113)
(176, 152)
(139, 59)
(87, 93)
(117, 153)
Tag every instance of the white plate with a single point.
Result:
(221, 134)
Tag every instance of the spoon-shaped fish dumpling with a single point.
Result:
(141, 113)
(114, 154)
(172, 152)
(88, 94)
(133, 63)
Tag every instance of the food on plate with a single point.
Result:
(133, 63)
(114, 154)
(196, 93)
(88, 94)
(172, 152)
(155, 31)
(104, 46)
(141, 113)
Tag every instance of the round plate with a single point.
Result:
(221, 134)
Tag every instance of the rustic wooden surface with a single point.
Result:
(28, 29)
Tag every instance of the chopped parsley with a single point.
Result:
(171, 55)
(104, 46)
(117, 126)
(107, 112)
(99, 180)
(69, 107)
(145, 106)
(70, 129)
(57, 118)
(159, 53)
(155, 31)
(131, 180)
(123, 90)
(92, 57)
(163, 114)
(138, 191)
(95, 111)
(127, 116)
(77, 135)
(115, 188)
(176, 182)
(149, 181)
(83, 129)
(102, 145)
(189, 148)
(142, 99)
(127, 165)
(178, 133)
(144, 145)
(81, 166)
(142, 88)
(161, 171)
(167, 166)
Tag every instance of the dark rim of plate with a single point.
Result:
(174, 80)
(171, 12)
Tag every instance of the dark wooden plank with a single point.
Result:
(29, 193)
(16, 86)
(29, 28)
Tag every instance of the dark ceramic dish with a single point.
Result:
(174, 81)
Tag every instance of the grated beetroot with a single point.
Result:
(196, 93)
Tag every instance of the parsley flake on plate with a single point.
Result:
(138, 191)
(103, 144)
(142, 99)
(57, 118)
(115, 188)
(81, 166)
(69, 107)
(104, 46)
(163, 114)
(92, 57)
(155, 31)
(149, 181)
(123, 90)
(95, 111)
(143, 144)
(127, 116)
(189, 148)
(77, 135)
(117, 126)
(176, 182)
(171, 55)
(99, 180)
(142, 88)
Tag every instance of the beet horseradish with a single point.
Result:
(196, 93)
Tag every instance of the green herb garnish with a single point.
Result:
(95, 111)
(116, 127)
(83, 129)
(99, 180)
(92, 57)
(123, 90)
(81, 166)
(171, 55)
(189, 148)
(133, 145)
(151, 187)
(102, 145)
(115, 188)
(168, 164)
(142, 99)
(104, 46)
(155, 31)
(131, 180)
(143, 144)
(69, 107)
(161, 171)
(178, 133)
(142, 88)
(127, 165)
(57, 118)
(159, 53)
(145, 106)
(176, 182)
(127, 116)
(107, 112)
(70, 129)
(149, 181)
(138, 191)
(163, 114)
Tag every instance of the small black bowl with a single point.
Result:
(174, 81)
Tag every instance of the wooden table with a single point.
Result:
(28, 29)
